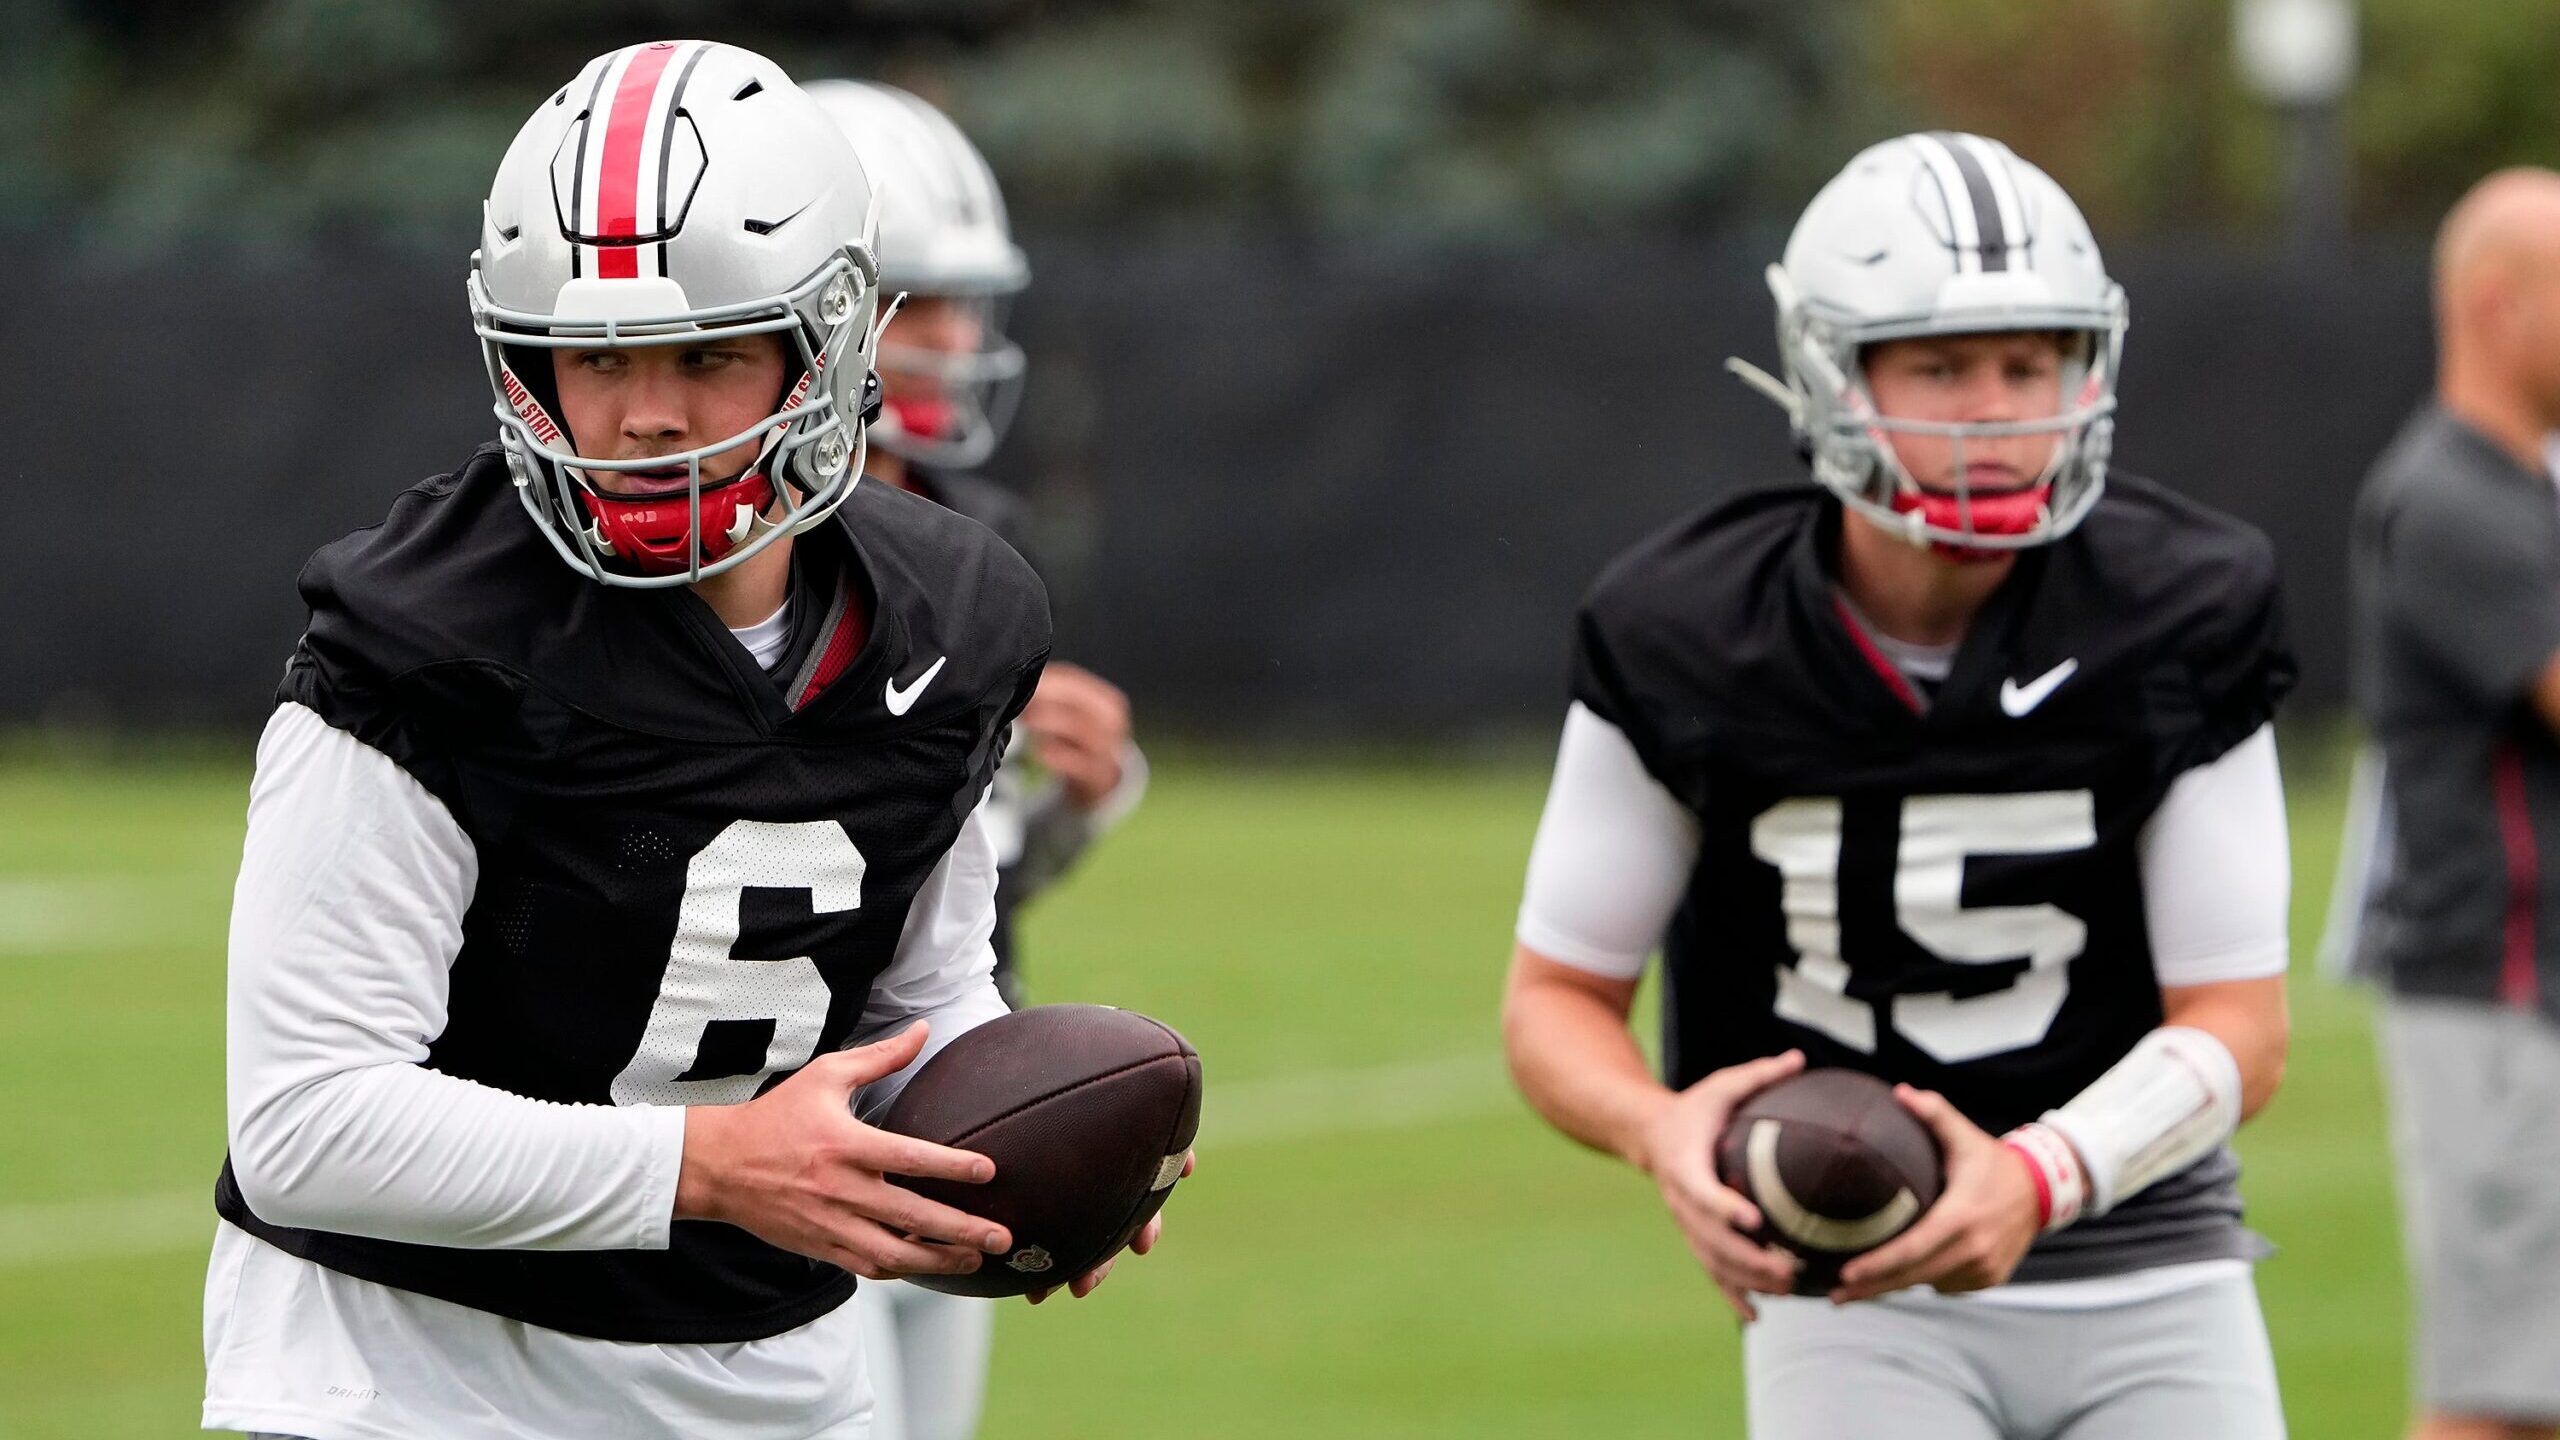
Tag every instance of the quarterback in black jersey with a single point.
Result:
(621, 818)
(1954, 768)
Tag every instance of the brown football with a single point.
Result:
(1835, 1164)
(1087, 1112)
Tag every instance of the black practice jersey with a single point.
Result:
(689, 874)
(1943, 890)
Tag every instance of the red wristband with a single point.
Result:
(2035, 1172)
(2062, 1188)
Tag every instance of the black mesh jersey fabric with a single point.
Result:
(687, 886)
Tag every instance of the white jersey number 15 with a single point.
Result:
(1801, 837)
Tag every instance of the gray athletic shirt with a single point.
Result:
(2456, 568)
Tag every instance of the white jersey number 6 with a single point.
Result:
(705, 982)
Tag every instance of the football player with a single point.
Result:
(1954, 768)
(619, 831)
(2456, 571)
(949, 379)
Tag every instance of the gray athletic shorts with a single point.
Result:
(2189, 1365)
(2475, 1126)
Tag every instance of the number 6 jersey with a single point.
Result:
(690, 871)
(1942, 889)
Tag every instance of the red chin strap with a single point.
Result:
(1998, 512)
(922, 418)
(652, 534)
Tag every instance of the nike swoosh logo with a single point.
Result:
(901, 701)
(767, 227)
(2018, 699)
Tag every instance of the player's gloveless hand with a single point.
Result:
(1078, 723)
(1148, 1234)
(1976, 1233)
(1678, 1151)
(796, 1169)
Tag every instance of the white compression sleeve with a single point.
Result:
(2172, 1098)
(1613, 855)
(2217, 872)
(344, 926)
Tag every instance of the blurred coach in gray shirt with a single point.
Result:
(2457, 659)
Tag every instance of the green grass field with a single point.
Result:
(1381, 1241)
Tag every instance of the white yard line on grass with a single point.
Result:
(1273, 1111)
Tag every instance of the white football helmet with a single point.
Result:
(1943, 234)
(943, 233)
(678, 192)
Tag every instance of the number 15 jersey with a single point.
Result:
(1941, 889)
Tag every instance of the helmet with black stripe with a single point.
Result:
(1942, 234)
(680, 192)
(944, 235)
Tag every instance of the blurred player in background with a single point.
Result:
(1955, 768)
(621, 815)
(2456, 564)
(952, 381)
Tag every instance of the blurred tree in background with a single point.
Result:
(152, 119)
(143, 121)
(2135, 104)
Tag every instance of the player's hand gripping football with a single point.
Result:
(1078, 722)
(1974, 1235)
(1147, 1236)
(793, 1167)
(1678, 1151)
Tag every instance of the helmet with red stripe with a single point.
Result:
(680, 193)
(1943, 234)
(943, 233)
